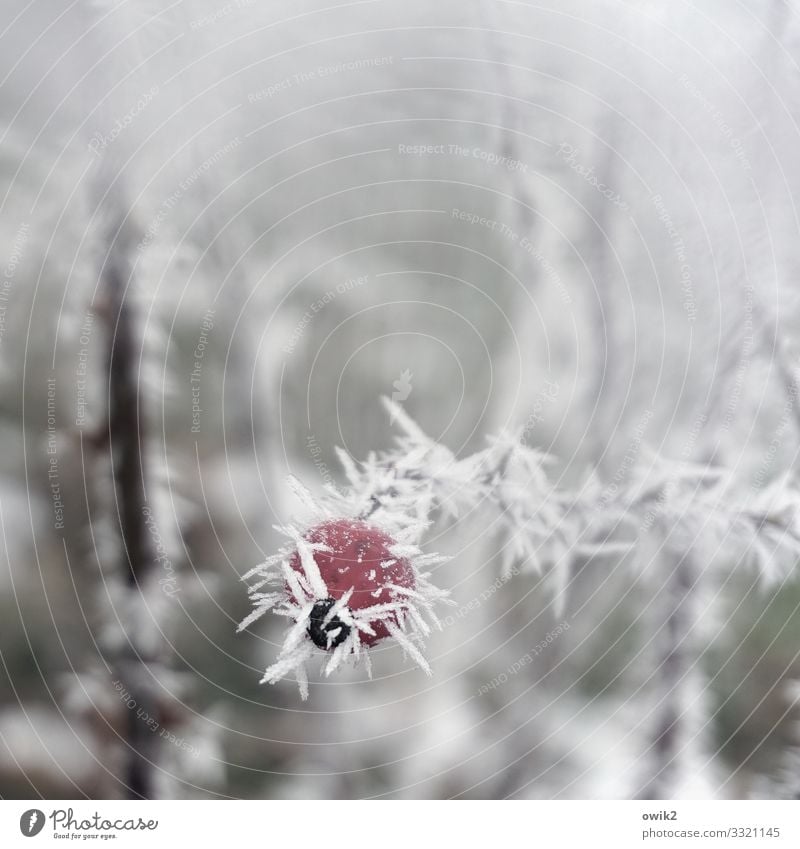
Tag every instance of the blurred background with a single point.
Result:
(575, 218)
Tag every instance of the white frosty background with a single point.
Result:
(637, 293)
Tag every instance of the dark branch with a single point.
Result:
(126, 427)
(126, 435)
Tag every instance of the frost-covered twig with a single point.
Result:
(761, 526)
(353, 573)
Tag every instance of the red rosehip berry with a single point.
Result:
(359, 557)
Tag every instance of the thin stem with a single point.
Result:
(126, 434)
(127, 431)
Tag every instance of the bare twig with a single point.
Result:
(126, 435)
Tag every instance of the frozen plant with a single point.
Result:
(353, 572)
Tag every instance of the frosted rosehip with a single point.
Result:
(343, 585)
(353, 557)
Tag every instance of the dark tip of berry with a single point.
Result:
(319, 632)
